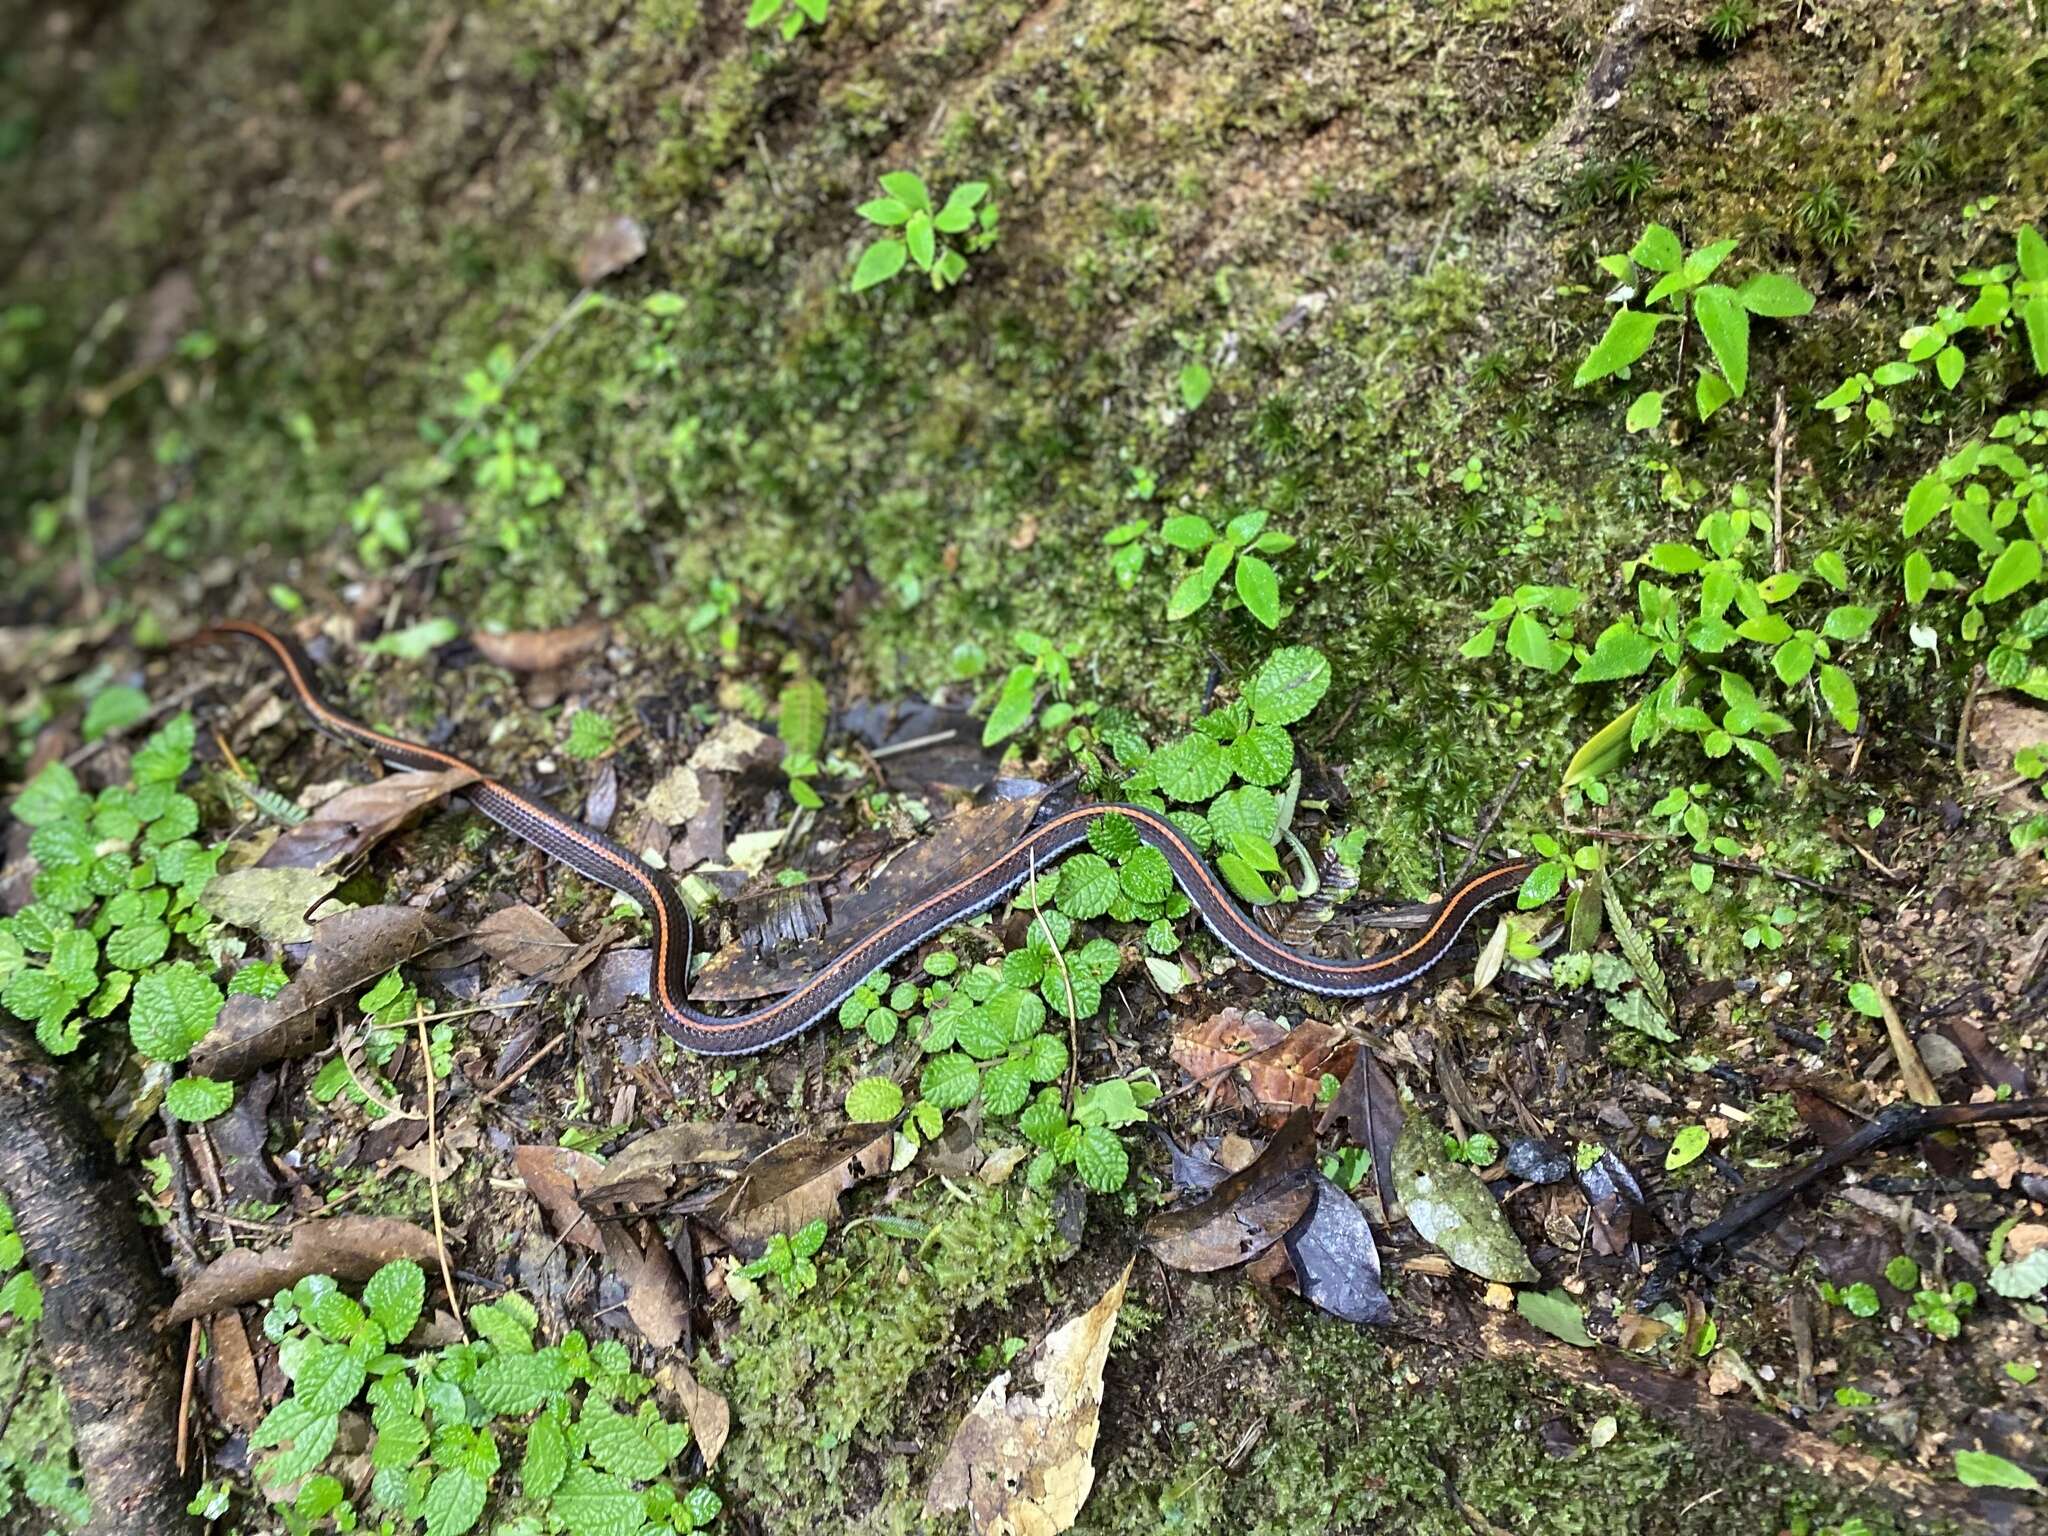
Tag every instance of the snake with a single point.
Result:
(599, 858)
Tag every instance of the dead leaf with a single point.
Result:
(968, 839)
(522, 937)
(650, 1168)
(1912, 1071)
(343, 829)
(1336, 1262)
(553, 1175)
(611, 248)
(736, 747)
(1024, 1466)
(1367, 1113)
(655, 1299)
(350, 951)
(539, 650)
(1281, 1069)
(1452, 1208)
(1248, 1212)
(346, 1247)
(710, 1416)
(270, 902)
(678, 797)
(233, 1390)
(796, 1182)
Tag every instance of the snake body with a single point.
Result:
(596, 856)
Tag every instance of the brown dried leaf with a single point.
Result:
(966, 840)
(1279, 1069)
(539, 650)
(553, 1175)
(346, 1247)
(651, 1168)
(612, 247)
(233, 1390)
(348, 826)
(796, 1182)
(709, 1414)
(522, 937)
(1248, 1212)
(350, 950)
(655, 1299)
(1024, 1466)
(1367, 1112)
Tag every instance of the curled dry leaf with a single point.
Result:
(350, 951)
(796, 1182)
(539, 650)
(966, 840)
(1248, 1212)
(522, 937)
(346, 1247)
(1279, 1069)
(554, 1176)
(343, 829)
(673, 1160)
(270, 902)
(655, 1299)
(1452, 1208)
(709, 1414)
(1024, 1466)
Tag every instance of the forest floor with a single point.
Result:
(508, 359)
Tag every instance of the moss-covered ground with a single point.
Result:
(265, 266)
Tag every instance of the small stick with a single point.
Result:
(185, 1396)
(434, 1176)
(510, 1079)
(916, 743)
(1778, 487)
(1486, 823)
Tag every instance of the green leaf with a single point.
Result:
(1530, 643)
(1187, 531)
(1006, 1085)
(885, 211)
(1248, 811)
(1193, 591)
(801, 716)
(394, 1296)
(633, 1447)
(308, 1433)
(1839, 694)
(591, 1504)
(511, 1386)
(1981, 1469)
(2034, 313)
(454, 1502)
(51, 795)
(1195, 384)
(328, 1377)
(113, 709)
(1113, 835)
(164, 758)
(1264, 754)
(1686, 1146)
(1192, 768)
(1146, 876)
(1087, 886)
(1099, 1158)
(1848, 622)
(139, 946)
(590, 735)
(881, 261)
(950, 1081)
(874, 1101)
(1776, 295)
(1949, 364)
(1658, 249)
(1290, 684)
(761, 12)
(1628, 337)
(1918, 573)
(547, 1458)
(171, 1011)
(1259, 586)
(1621, 651)
(1556, 1314)
(1246, 881)
(412, 643)
(2018, 567)
(1710, 393)
(1793, 660)
(907, 189)
(1645, 411)
(920, 241)
(1014, 704)
(1923, 503)
(194, 1099)
(1725, 324)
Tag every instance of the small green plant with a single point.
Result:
(800, 722)
(1730, 22)
(1860, 1299)
(794, 14)
(719, 610)
(1087, 1142)
(591, 735)
(1827, 215)
(1628, 179)
(592, 1462)
(383, 527)
(1241, 547)
(966, 217)
(1721, 315)
(1941, 1312)
(1018, 699)
(790, 1259)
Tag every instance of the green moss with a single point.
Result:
(821, 1384)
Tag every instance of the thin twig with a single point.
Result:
(185, 1395)
(506, 1082)
(1486, 822)
(434, 1176)
(916, 743)
(1778, 488)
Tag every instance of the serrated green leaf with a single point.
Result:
(1628, 336)
(1099, 1158)
(454, 1502)
(195, 1099)
(1725, 324)
(515, 1385)
(171, 1011)
(394, 1296)
(950, 1080)
(1292, 682)
(874, 1101)
(1191, 768)
(801, 717)
(1087, 886)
